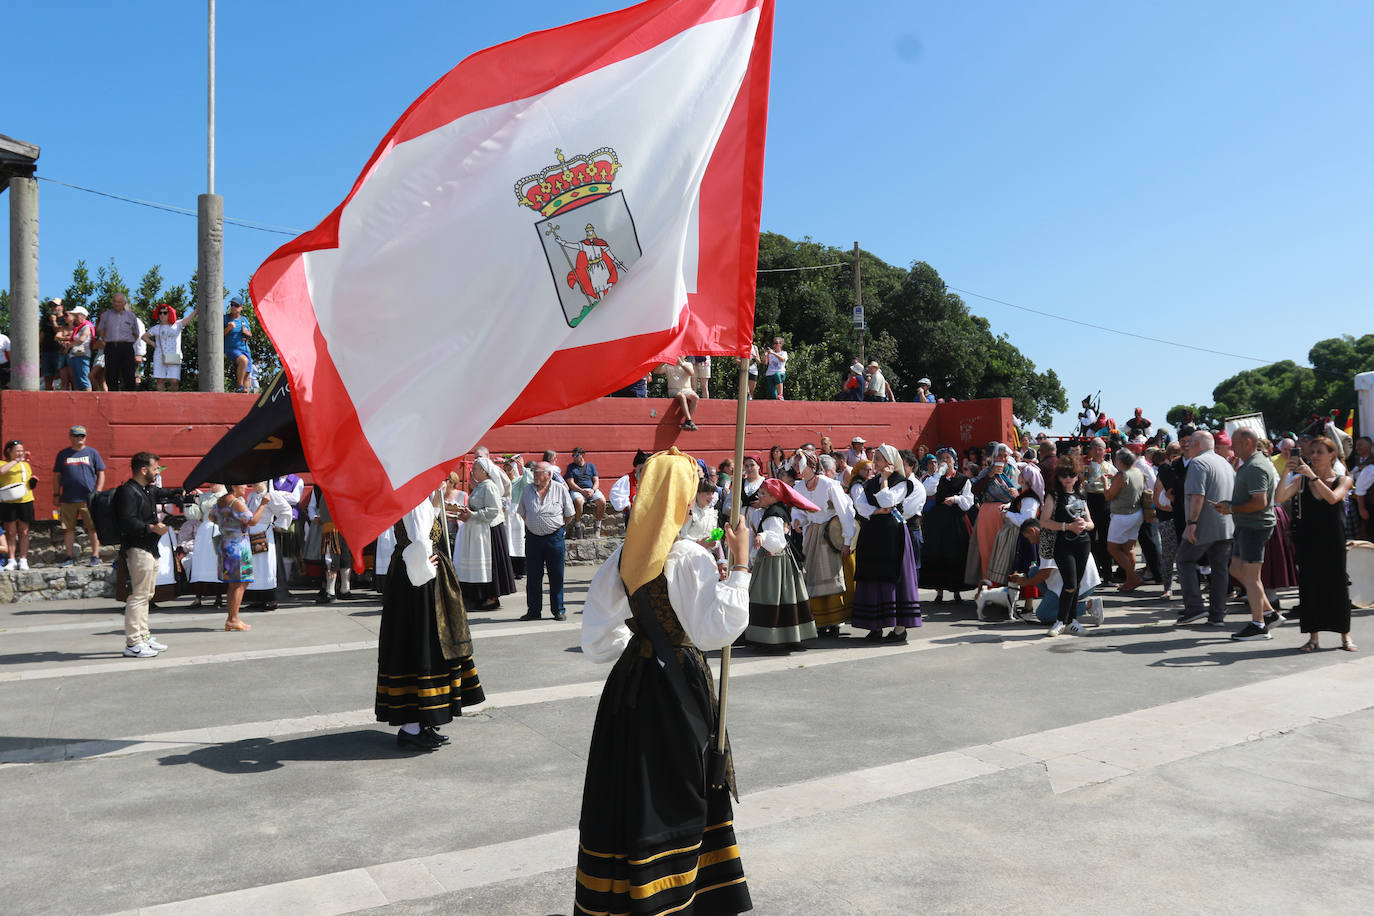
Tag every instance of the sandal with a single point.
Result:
(1309, 646)
(1348, 645)
(231, 626)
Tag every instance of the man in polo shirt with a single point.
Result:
(855, 453)
(584, 487)
(119, 328)
(1206, 533)
(78, 472)
(546, 508)
(1251, 506)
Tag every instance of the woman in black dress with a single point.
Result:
(946, 528)
(1319, 534)
(425, 674)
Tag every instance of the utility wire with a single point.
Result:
(779, 270)
(1099, 327)
(280, 230)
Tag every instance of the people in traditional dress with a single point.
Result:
(1011, 549)
(624, 490)
(425, 673)
(702, 519)
(779, 613)
(1323, 588)
(822, 560)
(232, 515)
(885, 594)
(262, 542)
(200, 536)
(324, 545)
(289, 540)
(482, 554)
(946, 527)
(998, 485)
(656, 833)
(520, 477)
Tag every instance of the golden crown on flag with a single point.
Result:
(570, 183)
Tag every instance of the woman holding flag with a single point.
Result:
(655, 836)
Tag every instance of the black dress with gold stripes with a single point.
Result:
(425, 672)
(654, 839)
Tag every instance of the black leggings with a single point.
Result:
(1071, 557)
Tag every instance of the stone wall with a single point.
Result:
(52, 584)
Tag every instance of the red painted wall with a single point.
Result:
(181, 427)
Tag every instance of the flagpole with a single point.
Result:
(737, 491)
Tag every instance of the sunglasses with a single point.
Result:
(1065, 475)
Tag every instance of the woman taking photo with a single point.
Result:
(16, 503)
(1066, 514)
(232, 517)
(165, 337)
(885, 563)
(1323, 589)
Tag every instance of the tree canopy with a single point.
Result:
(1288, 394)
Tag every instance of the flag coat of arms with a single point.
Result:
(547, 222)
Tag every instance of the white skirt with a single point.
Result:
(265, 565)
(205, 554)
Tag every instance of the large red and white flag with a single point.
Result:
(545, 223)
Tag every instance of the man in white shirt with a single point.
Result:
(4, 361)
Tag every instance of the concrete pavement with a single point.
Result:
(981, 768)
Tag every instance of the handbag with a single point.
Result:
(169, 358)
(13, 492)
(258, 542)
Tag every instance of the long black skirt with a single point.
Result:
(415, 683)
(945, 551)
(653, 838)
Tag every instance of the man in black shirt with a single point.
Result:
(135, 509)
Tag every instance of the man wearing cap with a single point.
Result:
(584, 486)
(855, 453)
(78, 472)
(923, 395)
(119, 328)
(878, 388)
(237, 331)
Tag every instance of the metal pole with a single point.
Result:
(737, 494)
(210, 106)
(858, 302)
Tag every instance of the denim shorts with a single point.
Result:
(1247, 545)
(51, 363)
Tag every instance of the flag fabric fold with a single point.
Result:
(548, 221)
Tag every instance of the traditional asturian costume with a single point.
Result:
(655, 835)
(482, 554)
(425, 673)
(779, 609)
(823, 564)
(885, 594)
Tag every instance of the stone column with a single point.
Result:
(210, 293)
(23, 329)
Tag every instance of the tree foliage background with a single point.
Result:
(1288, 394)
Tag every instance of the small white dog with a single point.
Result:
(1004, 598)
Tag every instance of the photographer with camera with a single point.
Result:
(135, 507)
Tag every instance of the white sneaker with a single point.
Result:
(155, 645)
(1075, 628)
(1056, 628)
(11, 564)
(142, 650)
(23, 563)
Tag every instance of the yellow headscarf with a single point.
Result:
(667, 486)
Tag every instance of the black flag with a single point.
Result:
(264, 444)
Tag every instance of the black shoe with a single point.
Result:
(1273, 619)
(560, 616)
(1188, 617)
(874, 636)
(796, 647)
(1251, 631)
(323, 598)
(424, 741)
(895, 637)
(532, 615)
(433, 732)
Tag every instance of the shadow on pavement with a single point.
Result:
(260, 755)
(27, 658)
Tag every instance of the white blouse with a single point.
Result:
(829, 496)
(712, 613)
(1030, 508)
(773, 535)
(620, 494)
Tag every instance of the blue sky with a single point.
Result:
(1196, 172)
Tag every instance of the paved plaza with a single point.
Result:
(981, 768)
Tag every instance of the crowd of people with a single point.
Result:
(116, 351)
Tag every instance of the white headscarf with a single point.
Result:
(489, 466)
(891, 456)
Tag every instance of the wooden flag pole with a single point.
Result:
(737, 494)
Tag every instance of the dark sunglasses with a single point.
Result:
(1066, 474)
